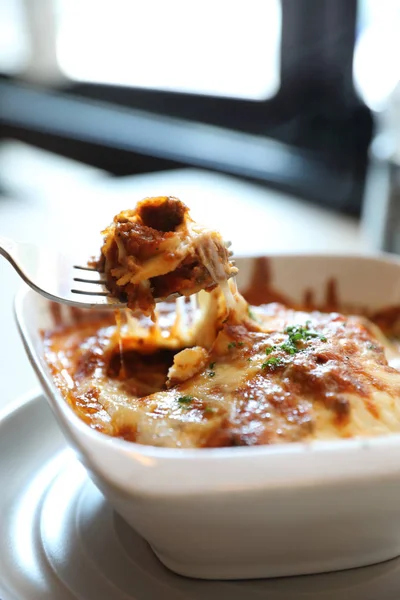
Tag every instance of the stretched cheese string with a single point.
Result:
(208, 253)
(118, 320)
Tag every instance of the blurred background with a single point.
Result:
(278, 121)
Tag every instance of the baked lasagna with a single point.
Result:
(216, 371)
(156, 251)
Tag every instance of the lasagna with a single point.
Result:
(283, 375)
(215, 371)
(156, 251)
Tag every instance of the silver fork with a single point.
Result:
(59, 277)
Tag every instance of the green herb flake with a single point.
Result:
(210, 409)
(289, 348)
(299, 333)
(240, 344)
(211, 365)
(269, 349)
(274, 361)
(251, 314)
(185, 400)
(231, 345)
(211, 374)
(249, 359)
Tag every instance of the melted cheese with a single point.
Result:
(337, 384)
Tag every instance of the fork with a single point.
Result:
(59, 277)
(62, 278)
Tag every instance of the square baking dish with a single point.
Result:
(250, 512)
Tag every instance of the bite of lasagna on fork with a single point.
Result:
(156, 251)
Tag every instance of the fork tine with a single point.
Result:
(96, 282)
(91, 284)
(90, 293)
(88, 276)
(93, 288)
(86, 268)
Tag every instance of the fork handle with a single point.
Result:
(7, 247)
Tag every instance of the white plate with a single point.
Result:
(266, 511)
(60, 539)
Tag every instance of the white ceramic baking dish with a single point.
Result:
(265, 511)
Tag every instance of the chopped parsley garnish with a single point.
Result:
(235, 344)
(289, 348)
(274, 361)
(212, 365)
(251, 314)
(211, 373)
(185, 400)
(210, 409)
(249, 359)
(296, 334)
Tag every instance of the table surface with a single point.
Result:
(55, 202)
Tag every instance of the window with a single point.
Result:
(246, 88)
(14, 47)
(377, 51)
(219, 48)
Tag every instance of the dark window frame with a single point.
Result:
(315, 124)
